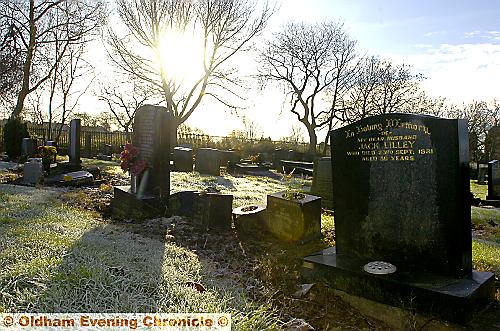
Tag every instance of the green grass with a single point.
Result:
(56, 258)
(246, 190)
(486, 223)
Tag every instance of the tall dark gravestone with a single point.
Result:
(401, 196)
(74, 141)
(151, 135)
(152, 131)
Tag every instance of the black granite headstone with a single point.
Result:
(493, 180)
(152, 131)
(74, 142)
(401, 194)
(400, 189)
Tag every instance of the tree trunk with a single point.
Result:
(313, 140)
(27, 64)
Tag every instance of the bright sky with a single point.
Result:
(454, 43)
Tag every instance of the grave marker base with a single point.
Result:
(453, 299)
(126, 205)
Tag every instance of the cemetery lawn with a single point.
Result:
(60, 251)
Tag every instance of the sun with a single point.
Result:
(181, 55)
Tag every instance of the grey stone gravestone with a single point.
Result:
(493, 180)
(152, 132)
(207, 161)
(28, 147)
(322, 181)
(183, 159)
(401, 193)
(33, 171)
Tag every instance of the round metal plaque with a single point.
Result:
(379, 268)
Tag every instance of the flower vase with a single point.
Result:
(133, 184)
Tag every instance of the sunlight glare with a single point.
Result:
(182, 57)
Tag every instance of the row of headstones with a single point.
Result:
(33, 168)
(208, 160)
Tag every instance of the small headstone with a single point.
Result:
(183, 159)
(215, 210)
(50, 143)
(294, 220)
(322, 181)
(33, 171)
(228, 156)
(28, 147)
(493, 180)
(207, 161)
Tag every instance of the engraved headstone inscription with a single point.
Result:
(401, 195)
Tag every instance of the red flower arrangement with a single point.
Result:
(130, 161)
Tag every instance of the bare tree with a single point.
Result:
(10, 59)
(252, 129)
(307, 60)
(123, 101)
(223, 28)
(36, 28)
(380, 87)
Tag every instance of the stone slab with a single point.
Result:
(71, 178)
(450, 298)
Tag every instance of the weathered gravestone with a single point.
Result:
(401, 196)
(493, 180)
(33, 171)
(28, 147)
(322, 181)
(207, 161)
(183, 159)
(151, 135)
